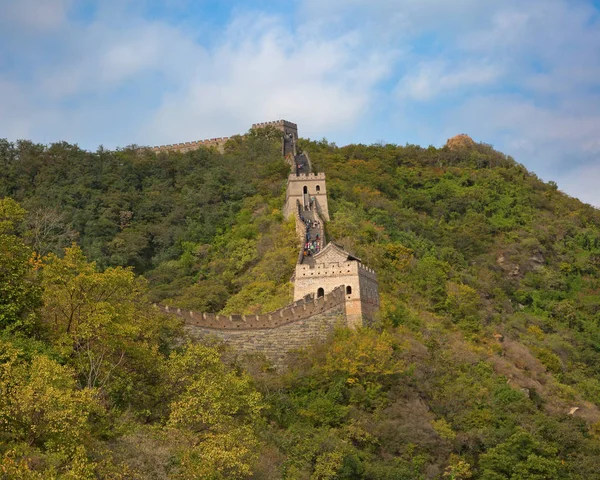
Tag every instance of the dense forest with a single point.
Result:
(485, 362)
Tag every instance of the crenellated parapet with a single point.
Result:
(218, 143)
(288, 128)
(303, 187)
(306, 176)
(276, 124)
(299, 310)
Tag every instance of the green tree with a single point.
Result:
(19, 293)
(522, 457)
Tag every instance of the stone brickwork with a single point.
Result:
(218, 143)
(283, 125)
(274, 334)
(301, 188)
(332, 268)
(299, 310)
(276, 343)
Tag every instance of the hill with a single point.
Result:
(486, 364)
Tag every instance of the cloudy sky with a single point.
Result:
(522, 75)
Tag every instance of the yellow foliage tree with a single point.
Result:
(96, 318)
(214, 412)
(363, 356)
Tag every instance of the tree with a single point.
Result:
(11, 215)
(47, 231)
(215, 410)
(19, 293)
(43, 415)
(101, 321)
(521, 457)
(364, 358)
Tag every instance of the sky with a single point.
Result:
(521, 75)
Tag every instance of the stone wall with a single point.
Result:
(218, 143)
(283, 125)
(300, 231)
(299, 310)
(350, 288)
(315, 184)
(362, 298)
(295, 326)
(276, 343)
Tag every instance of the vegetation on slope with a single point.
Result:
(489, 280)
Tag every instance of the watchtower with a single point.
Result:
(332, 267)
(283, 125)
(303, 188)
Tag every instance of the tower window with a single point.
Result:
(305, 189)
(348, 290)
(318, 188)
(320, 293)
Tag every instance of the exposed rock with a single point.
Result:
(460, 142)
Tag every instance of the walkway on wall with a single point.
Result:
(289, 147)
(301, 164)
(313, 241)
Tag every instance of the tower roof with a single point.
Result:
(334, 253)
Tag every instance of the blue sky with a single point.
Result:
(522, 75)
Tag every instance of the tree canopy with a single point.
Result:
(485, 363)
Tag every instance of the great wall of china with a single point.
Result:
(331, 286)
(219, 142)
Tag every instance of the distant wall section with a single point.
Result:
(288, 128)
(218, 143)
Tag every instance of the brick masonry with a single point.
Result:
(277, 342)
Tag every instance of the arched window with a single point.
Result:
(348, 290)
(305, 189)
(320, 293)
(318, 188)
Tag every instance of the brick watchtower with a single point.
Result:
(333, 267)
(303, 188)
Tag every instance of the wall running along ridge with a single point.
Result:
(310, 318)
(219, 142)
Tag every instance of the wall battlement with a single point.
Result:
(299, 310)
(275, 123)
(218, 142)
(306, 176)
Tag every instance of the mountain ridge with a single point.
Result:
(470, 249)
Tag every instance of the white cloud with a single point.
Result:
(433, 78)
(269, 72)
(521, 75)
(108, 56)
(255, 71)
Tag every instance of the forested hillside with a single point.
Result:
(485, 365)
